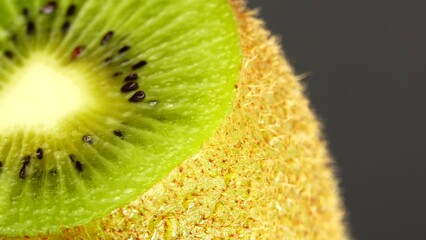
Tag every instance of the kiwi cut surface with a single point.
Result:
(99, 100)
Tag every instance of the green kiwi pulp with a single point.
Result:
(99, 100)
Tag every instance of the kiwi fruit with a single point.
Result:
(156, 119)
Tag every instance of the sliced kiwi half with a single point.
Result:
(99, 100)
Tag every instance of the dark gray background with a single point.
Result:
(367, 83)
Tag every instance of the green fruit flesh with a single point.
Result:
(101, 99)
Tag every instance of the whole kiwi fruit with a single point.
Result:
(257, 170)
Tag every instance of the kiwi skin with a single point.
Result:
(266, 174)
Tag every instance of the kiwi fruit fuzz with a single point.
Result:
(156, 119)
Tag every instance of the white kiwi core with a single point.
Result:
(40, 94)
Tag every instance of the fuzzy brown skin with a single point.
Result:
(266, 174)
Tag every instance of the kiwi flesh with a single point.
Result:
(100, 100)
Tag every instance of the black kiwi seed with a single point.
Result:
(108, 59)
(124, 49)
(25, 12)
(23, 171)
(117, 74)
(30, 28)
(132, 77)
(49, 8)
(88, 139)
(139, 65)
(9, 54)
(71, 10)
(1, 166)
(72, 157)
(129, 86)
(118, 133)
(107, 37)
(26, 159)
(39, 153)
(79, 166)
(77, 52)
(137, 97)
(66, 26)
